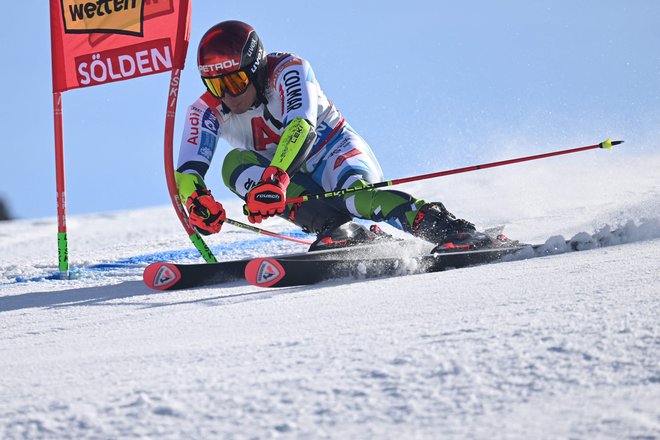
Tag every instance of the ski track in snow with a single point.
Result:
(560, 347)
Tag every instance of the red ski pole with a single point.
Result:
(607, 144)
(265, 232)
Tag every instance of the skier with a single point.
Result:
(289, 140)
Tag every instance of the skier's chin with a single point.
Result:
(241, 103)
(238, 110)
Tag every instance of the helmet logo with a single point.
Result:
(217, 67)
(253, 45)
(255, 66)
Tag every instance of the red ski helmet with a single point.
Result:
(230, 57)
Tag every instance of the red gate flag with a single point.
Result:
(100, 41)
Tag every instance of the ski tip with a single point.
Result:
(161, 276)
(264, 272)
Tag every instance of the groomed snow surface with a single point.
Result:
(561, 346)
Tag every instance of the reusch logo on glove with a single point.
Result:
(267, 197)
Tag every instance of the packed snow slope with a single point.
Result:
(562, 346)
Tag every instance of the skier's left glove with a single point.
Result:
(206, 215)
(268, 197)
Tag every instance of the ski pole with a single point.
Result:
(607, 144)
(264, 232)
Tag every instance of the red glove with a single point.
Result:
(267, 198)
(206, 215)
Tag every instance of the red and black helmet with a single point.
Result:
(231, 55)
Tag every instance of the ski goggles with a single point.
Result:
(231, 83)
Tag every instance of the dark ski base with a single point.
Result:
(173, 276)
(282, 272)
(382, 258)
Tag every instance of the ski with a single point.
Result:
(284, 272)
(385, 257)
(294, 271)
(174, 276)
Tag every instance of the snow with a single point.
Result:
(563, 346)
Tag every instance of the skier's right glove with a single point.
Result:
(267, 198)
(206, 215)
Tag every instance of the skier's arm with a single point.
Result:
(199, 139)
(198, 142)
(298, 95)
(294, 146)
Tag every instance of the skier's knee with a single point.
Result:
(241, 171)
(317, 215)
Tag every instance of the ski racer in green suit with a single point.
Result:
(289, 140)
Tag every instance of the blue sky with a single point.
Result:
(430, 86)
